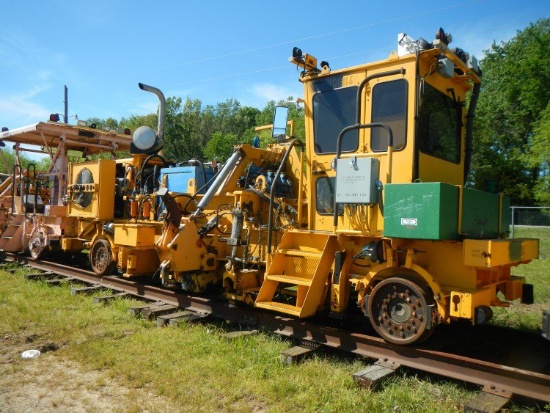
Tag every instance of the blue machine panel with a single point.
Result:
(177, 178)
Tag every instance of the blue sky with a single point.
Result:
(212, 50)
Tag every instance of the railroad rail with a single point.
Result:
(493, 377)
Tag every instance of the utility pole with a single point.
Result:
(66, 102)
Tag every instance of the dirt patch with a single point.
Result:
(49, 383)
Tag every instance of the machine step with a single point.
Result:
(280, 307)
(289, 279)
(300, 253)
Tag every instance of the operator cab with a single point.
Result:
(400, 120)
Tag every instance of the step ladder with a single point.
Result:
(11, 239)
(6, 187)
(302, 262)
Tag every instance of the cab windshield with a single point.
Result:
(333, 110)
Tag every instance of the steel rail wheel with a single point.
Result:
(400, 311)
(101, 257)
(37, 247)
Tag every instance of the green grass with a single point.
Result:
(529, 317)
(195, 367)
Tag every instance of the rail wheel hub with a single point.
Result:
(399, 311)
(37, 245)
(101, 257)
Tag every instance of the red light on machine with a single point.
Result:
(54, 117)
(199, 243)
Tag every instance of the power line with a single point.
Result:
(295, 41)
(213, 79)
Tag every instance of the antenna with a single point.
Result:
(66, 102)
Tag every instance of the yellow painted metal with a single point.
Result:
(71, 244)
(86, 228)
(514, 288)
(198, 282)
(303, 260)
(57, 210)
(103, 195)
(137, 261)
(191, 186)
(442, 267)
(497, 252)
(463, 303)
(135, 235)
(239, 284)
(320, 164)
(183, 249)
(289, 123)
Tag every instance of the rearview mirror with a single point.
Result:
(279, 122)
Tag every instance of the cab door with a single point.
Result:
(439, 140)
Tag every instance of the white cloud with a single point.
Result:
(20, 110)
(265, 92)
(141, 107)
(33, 70)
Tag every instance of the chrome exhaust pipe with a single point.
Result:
(162, 106)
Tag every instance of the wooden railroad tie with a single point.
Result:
(39, 275)
(174, 319)
(85, 290)
(157, 310)
(373, 376)
(490, 400)
(232, 335)
(107, 298)
(138, 309)
(58, 281)
(294, 354)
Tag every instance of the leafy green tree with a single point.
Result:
(220, 146)
(43, 164)
(187, 142)
(107, 124)
(134, 122)
(209, 132)
(539, 157)
(515, 92)
(190, 128)
(7, 161)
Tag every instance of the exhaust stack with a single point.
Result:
(145, 140)
(162, 106)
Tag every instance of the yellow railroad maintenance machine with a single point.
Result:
(115, 204)
(33, 213)
(370, 210)
(76, 206)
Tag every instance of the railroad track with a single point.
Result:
(495, 378)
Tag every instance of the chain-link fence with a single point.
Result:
(529, 217)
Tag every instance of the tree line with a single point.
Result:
(512, 125)
(210, 132)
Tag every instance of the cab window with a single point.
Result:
(389, 106)
(333, 110)
(324, 195)
(440, 121)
